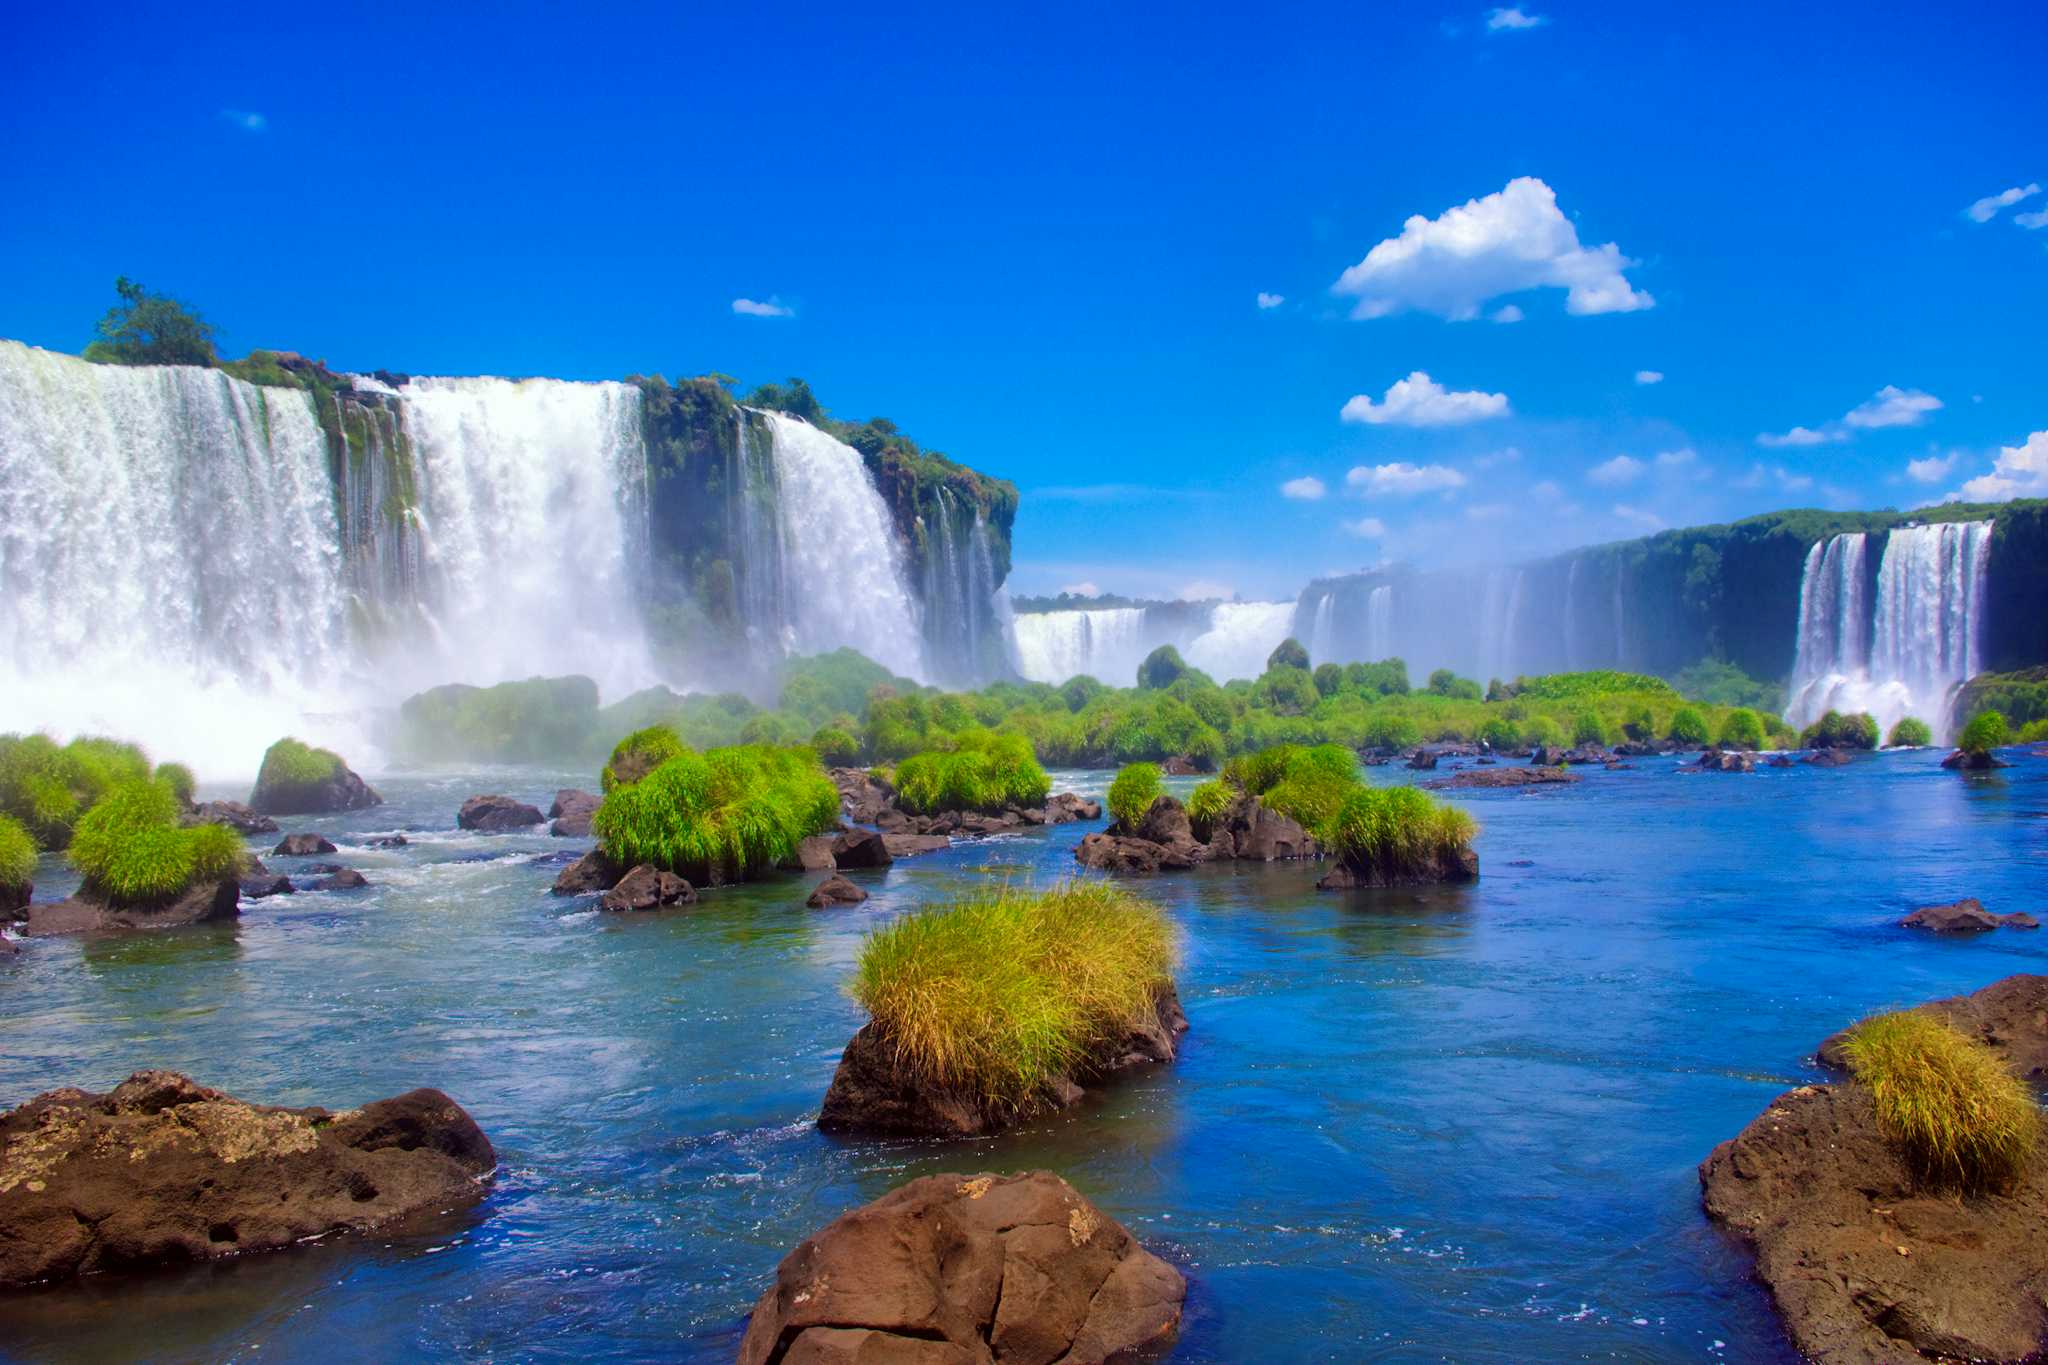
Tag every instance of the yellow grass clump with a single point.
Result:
(1952, 1106)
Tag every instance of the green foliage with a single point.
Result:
(997, 995)
(1578, 686)
(1952, 1106)
(178, 778)
(1287, 691)
(1329, 679)
(1389, 733)
(1133, 792)
(722, 816)
(1688, 726)
(1161, 668)
(1396, 834)
(1444, 683)
(827, 685)
(1206, 804)
(1542, 732)
(1641, 724)
(1742, 728)
(130, 849)
(2021, 697)
(1500, 733)
(1314, 783)
(46, 787)
(1289, 653)
(1720, 683)
(835, 747)
(17, 854)
(1079, 691)
(1834, 730)
(291, 767)
(1909, 733)
(638, 754)
(1986, 731)
(1587, 729)
(1387, 678)
(538, 720)
(150, 329)
(986, 772)
(2034, 731)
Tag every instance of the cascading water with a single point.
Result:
(1322, 635)
(1379, 623)
(1903, 653)
(1106, 644)
(759, 572)
(170, 567)
(1239, 638)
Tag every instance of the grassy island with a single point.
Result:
(982, 772)
(725, 815)
(132, 852)
(1951, 1105)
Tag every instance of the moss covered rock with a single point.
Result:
(298, 779)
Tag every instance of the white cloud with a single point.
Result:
(1505, 455)
(1985, 209)
(2032, 221)
(1677, 459)
(1419, 401)
(1619, 470)
(1893, 407)
(1649, 376)
(1798, 436)
(773, 308)
(247, 120)
(1546, 489)
(2019, 472)
(1487, 511)
(1503, 243)
(1641, 516)
(1307, 488)
(1367, 528)
(1931, 469)
(1508, 312)
(1204, 590)
(1761, 474)
(1403, 480)
(1271, 300)
(1084, 589)
(1513, 19)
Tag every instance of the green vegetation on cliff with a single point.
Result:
(1132, 793)
(150, 329)
(1986, 731)
(47, 787)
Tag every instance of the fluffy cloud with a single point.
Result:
(1505, 455)
(1083, 589)
(1640, 516)
(1506, 242)
(247, 120)
(1508, 312)
(1619, 470)
(1307, 488)
(2019, 472)
(773, 308)
(1513, 19)
(1367, 528)
(1271, 300)
(1931, 469)
(1403, 480)
(1798, 436)
(2032, 221)
(1649, 376)
(1893, 407)
(1677, 459)
(1419, 401)
(1985, 209)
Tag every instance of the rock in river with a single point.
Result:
(1966, 916)
(968, 1270)
(161, 1170)
(835, 890)
(236, 816)
(497, 815)
(646, 888)
(302, 846)
(85, 913)
(571, 813)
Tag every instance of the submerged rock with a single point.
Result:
(302, 846)
(236, 816)
(162, 1170)
(1422, 760)
(591, 872)
(571, 813)
(1831, 758)
(875, 1091)
(1726, 761)
(1504, 777)
(388, 841)
(648, 888)
(497, 815)
(264, 885)
(1966, 916)
(962, 1269)
(85, 913)
(834, 890)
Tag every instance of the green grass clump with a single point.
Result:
(721, 816)
(835, 746)
(1986, 731)
(1397, 833)
(2034, 731)
(1952, 1106)
(1909, 733)
(47, 786)
(17, 855)
(1542, 733)
(997, 995)
(293, 773)
(1742, 728)
(1133, 792)
(1315, 783)
(130, 849)
(178, 778)
(638, 754)
(1688, 726)
(986, 772)
(1207, 803)
(1858, 730)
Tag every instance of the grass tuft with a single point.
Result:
(721, 816)
(983, 772)
(47, 786)
(996, 995)
(17, 854)
(639, 754)
(130, 849)
(1986, 731)
(1207, 803)
(1133, 792)
(1910, 733)
(1950, 1104)
(1397, 833)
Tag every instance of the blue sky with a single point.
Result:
(1041, 242)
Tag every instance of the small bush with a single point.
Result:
(1543, 733)
(1161, 668)
(1397, 833)
(997, 995)
(178, 778)
(17, 854)
(639, 754)
(1499, 732)
(1133, 792)
(1953, 1106)
(1289, 653)
(1742, 729)
(1329, 679)
(1909, 733)
(1587, 729)
(1688, 726)
(721, 816)
(985, 773)
(1207, 803)
(1313, 785)
(1837, 731)
(1444, 683)
(131, 851)
(2034, 731)
(292, 775)
(835, 747)
(1641, 725)
(1390, 733)
(1986, 731)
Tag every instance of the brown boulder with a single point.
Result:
(864, 797)
(1831, 758)
(834, 890)
(1114, 853)
(592, 872)
(860, 848)
(910, 845)
(162, 1171)
(960, 1270)
(1260, 835)
(571, 813)
(263, 885)
(2009, 1016)
(813, 854)
(1966, 916)
(1064, 807)
(85, 913)
(1981, 761)
(302, 846)
(648, 888)
(1504, 777)
(1727, 761)
(236, 816)
(497, 815)
(342, 879)
(1422, 760)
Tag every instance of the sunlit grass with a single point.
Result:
(1954, 1108)
(983, 772)
(721, 816)
(1132, 793)
(1397, 832)
(130, 849)
(17, 854)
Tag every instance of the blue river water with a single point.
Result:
(1442, 1124)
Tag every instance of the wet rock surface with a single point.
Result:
(86, 914)
(647, 888)
(342, 792)
(497, 815)
(834, 890)
(236, 816)
(302, 846)
(164, 1171)
(969, 1270)
(1966, 916)
(1503, 777)
(591, 872)
(571, 812)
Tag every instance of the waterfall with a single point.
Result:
(170, 561)
(960, 596)
(755, 537)
(1239, 638)
(1322, 634)
(1571, 616)
(1379, 623)
(1501, 620)
(1106, 644)
(1905, 652)
(847, 575)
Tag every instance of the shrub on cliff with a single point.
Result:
(986, 772)
(1986, 731)
(1742, 728)
(1952, 1106)
(721, 816)
(1133, 792)
(996, 995)
(17, 855)
(1688, 726)
(1858, 730)
(150, 329)
(131, 850)
(1909, 733)
(1206, 804)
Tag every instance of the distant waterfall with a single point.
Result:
(1322, 634)
(962, 635)
(1106, 644)
(1379, 624)
(1239, 637)
(1904, 652)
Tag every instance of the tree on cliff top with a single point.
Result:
(151, 329)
